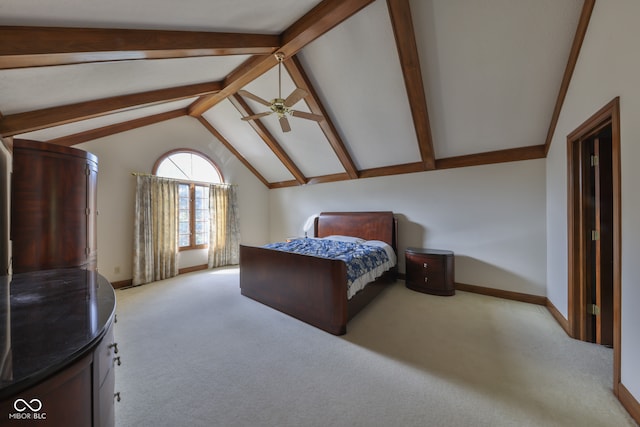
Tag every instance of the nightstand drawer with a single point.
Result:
(428, 264)
(419, 268)
(430, 271)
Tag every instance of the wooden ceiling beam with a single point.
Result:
(46, 46)
(392, 170)
(491, 157)
(248, 71)
(581, 31)
(312, 25)
(283, 184)
(402, 23)
(301, 80)
(319, 20)
(244, 109)
(231, 148)
(90, 135)
(30, 121)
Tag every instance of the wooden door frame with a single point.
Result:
(609, 114)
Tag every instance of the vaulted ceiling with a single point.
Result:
(403, 85)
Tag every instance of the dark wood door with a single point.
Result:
(598, 221)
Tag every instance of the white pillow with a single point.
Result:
(379, 243)
(345, 239)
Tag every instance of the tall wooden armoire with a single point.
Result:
(53, 207)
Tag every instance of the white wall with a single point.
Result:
(492, 217)
(5, 202)
(136, 151)
(608, 66)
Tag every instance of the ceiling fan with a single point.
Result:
(280, 106)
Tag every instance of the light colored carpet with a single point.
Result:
(196, 353)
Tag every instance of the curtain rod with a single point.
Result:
(181, 180)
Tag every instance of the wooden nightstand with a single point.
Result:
(430, 271)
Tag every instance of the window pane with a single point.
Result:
(204, 171)
(202, 203)
(183, 162)
(183, 240)
(188, 166)
(183, 227)
(202, 239)
(201, 215)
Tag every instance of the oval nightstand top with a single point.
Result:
(426, 251)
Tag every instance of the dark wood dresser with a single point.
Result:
(57, 349)
(430, 271)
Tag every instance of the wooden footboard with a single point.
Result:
(314, 289)
(308, 288)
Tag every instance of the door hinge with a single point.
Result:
(595, 160)
(595, 235)
(593, 309)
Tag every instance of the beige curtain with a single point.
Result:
(155, 244)
(224, 234)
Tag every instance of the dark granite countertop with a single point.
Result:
(48, 320)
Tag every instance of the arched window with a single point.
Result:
(187, 165)
(195, 171)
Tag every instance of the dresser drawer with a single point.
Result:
(104, 356)
(104, 407)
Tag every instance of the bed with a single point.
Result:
(314, 289)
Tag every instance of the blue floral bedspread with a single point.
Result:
(360, 258)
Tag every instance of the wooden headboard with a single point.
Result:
(365, 225)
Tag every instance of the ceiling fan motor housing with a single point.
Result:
(278, 106)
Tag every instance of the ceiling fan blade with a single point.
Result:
(308, 116)
(284, 124)
(295, 96)
(254, 97)
(257, 116)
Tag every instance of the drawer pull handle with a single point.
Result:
(425, 265)
(114, 346)
(116, 396)
(425, 279)
(116, 361)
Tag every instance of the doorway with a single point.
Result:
(593, 153)
(594, 170)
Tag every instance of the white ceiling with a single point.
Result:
(243, 16)
(491, 69)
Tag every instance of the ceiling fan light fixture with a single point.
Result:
(281, 106)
